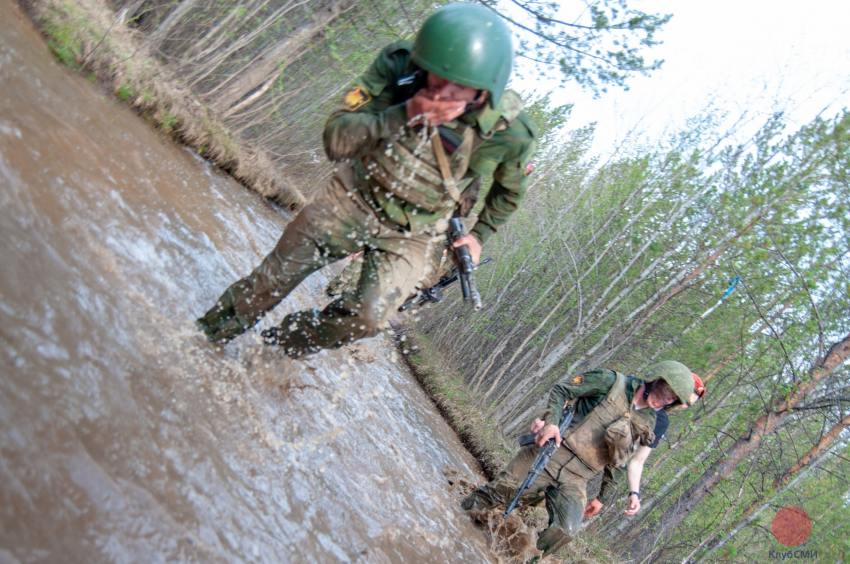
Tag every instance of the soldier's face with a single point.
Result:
(440, 88)
(661, 396)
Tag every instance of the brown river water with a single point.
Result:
(124, 436)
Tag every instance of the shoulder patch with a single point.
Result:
(355, 99)
(577, 379)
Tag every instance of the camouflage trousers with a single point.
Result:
(564, 492)
(441, 264)
(337, 223)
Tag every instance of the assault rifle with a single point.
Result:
(540, 462)
(465, 266)
(435, 292)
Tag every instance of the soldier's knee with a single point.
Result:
(569, 529)
(369, 327)
(370, 319)
(555, 537)
(469, 502)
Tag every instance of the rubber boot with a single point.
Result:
(220, 324)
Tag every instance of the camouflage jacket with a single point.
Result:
(588, 390)
(375, 110)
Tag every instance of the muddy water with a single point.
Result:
(124, 436)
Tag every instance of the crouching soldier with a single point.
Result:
(614, 415)
(425, 123)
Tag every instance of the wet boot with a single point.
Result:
(283, 335)
(481, 499)
(307, 332)
(278, 336)
(220, 324)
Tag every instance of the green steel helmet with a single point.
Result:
(468, 44)
(677, 375)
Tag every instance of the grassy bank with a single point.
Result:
(444, 385)
(85, 35)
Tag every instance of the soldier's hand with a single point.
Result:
(537, 425)
(427, 107)
(473, 244)
(633, 506)
(592, 508)
(548, 432)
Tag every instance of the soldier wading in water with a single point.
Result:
(614, 415)
(426, 121)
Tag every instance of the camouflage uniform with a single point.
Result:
(388, 199)
(563, 484)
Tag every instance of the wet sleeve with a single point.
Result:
(593, 383)
(509, 184)
(365, 118)
(611, 478)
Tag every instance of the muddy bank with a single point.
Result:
(87, 36)
(452, 398)
(125, 436)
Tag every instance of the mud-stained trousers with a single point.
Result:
(337, 223)
(564, 491)
(441, 264)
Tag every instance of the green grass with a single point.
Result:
(147, 97)
(168, 121)
(125, 92)
(64, 42)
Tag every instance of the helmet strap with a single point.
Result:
(478, 102)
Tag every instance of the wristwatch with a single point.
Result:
(636, 494)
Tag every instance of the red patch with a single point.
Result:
(529, 168)
(791, 526)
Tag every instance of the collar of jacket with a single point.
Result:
(484, 118)
(632, 384)
(487, 117)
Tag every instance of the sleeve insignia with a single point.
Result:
(578, 379)
(356, 99)
(529, 168)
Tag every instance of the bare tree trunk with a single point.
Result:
(198, 70)
(218, 35)
(243, 88)
(824, 443)
(156, 38)
(612, 215)
(678, 284)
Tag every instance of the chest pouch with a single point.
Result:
(642, 433)
(416, 169)
(623, 436)
(618, 439)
